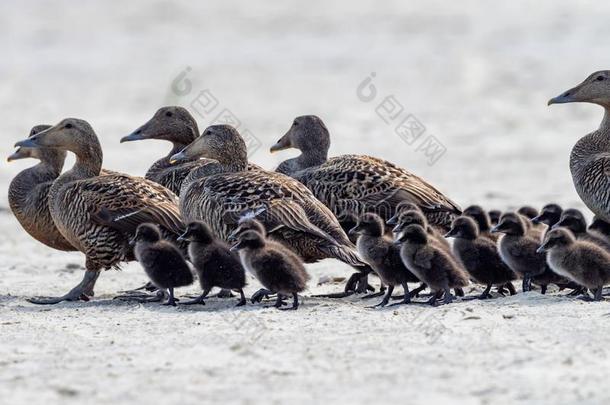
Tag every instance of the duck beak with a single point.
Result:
(283, 143)
(178, 157)
(27, 143)
(19, 154)
(134, 136)
(565, 97)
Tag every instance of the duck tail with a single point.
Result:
(344, 253)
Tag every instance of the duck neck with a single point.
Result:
(605, 125)
(88, 164)
(311, 158)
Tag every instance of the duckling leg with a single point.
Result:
(543, 289)
(459, 292)
(435, 295)
(198, 300)
(224, 293)
(407, 297)
(295, 303)
(146, 287)
(171, 300)
(379, 293)
(82, 291)
(242, 300)
(485, 294)
(386, 298)
(527, 283)
(511, 288)
(598, 294)
(279, 301)
(448, 297)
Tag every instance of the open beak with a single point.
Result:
(283, 143)
(19, 154)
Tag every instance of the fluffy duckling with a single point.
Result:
(161, 260)
(550, 215)
(215, 264)
(380, 252)
(483, 221)
(276, 267)
(575, 221)
(479, 256)
(430, 264)
(517, 249)
(600, 226)
(411, 217)
(583, 262)
(404, 207)
(530, 213)
(494, 216)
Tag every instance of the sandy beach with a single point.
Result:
(477, 79)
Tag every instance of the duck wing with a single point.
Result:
(354, 183)
(124, 202)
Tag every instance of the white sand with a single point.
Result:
(478, 77)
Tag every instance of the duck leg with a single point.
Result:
(295, 303)
(82, 291)
(198, 300)
(242, 299)
(386, 298)
(171, 301)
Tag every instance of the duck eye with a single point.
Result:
(68, 126)
(208, 132)
(295, 123)
(600, 78)
(168, 114)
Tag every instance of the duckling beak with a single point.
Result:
(537, 219)
(132, 241)
(283, 143)
(354, 230)
(393, 220)
(235, 247)
(542, 248)
(496, 229)
(183, 237)
(452, 232)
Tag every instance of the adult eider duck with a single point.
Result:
(98, 214)
(226, 190)
(590, 157)
(356, 183)
(176, 125)
(29, 190)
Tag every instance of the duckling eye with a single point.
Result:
(600, 78)
(68, 126)
(168, 114)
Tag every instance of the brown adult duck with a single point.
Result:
(590, 157)
(176, 125)
(28, 192)
(98, 214)
(225, 190)
(353, 184)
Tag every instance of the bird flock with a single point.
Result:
(205, 212)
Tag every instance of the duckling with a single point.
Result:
(530, 213)
(575, 221)
(407, 218)
(28, 193)
(479, 256)
(161, 260)
(600, 226)
(583, 262)
(276, 267)
(432, 265)
(483, 221)
(518, 250)
(215, 264)
(404, 207)
(356, 183)
(494, 216)
(550, 215)
(79, 196)
(590, 157)
(380, 252)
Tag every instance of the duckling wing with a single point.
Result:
(353, 183)
(124, 202)
(423, 258)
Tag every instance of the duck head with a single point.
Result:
(464, 228)
(556, 238)
(146, 233)
(249, 240)
(197, 231)
(44, 155)
(403, 207)
(550, 215)
(595, 89)
(414, 234)
(218, 142)
(572, 219)
(368, 224)
(71, 134)
(307, 133)
(510, 223)
(173, 124)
